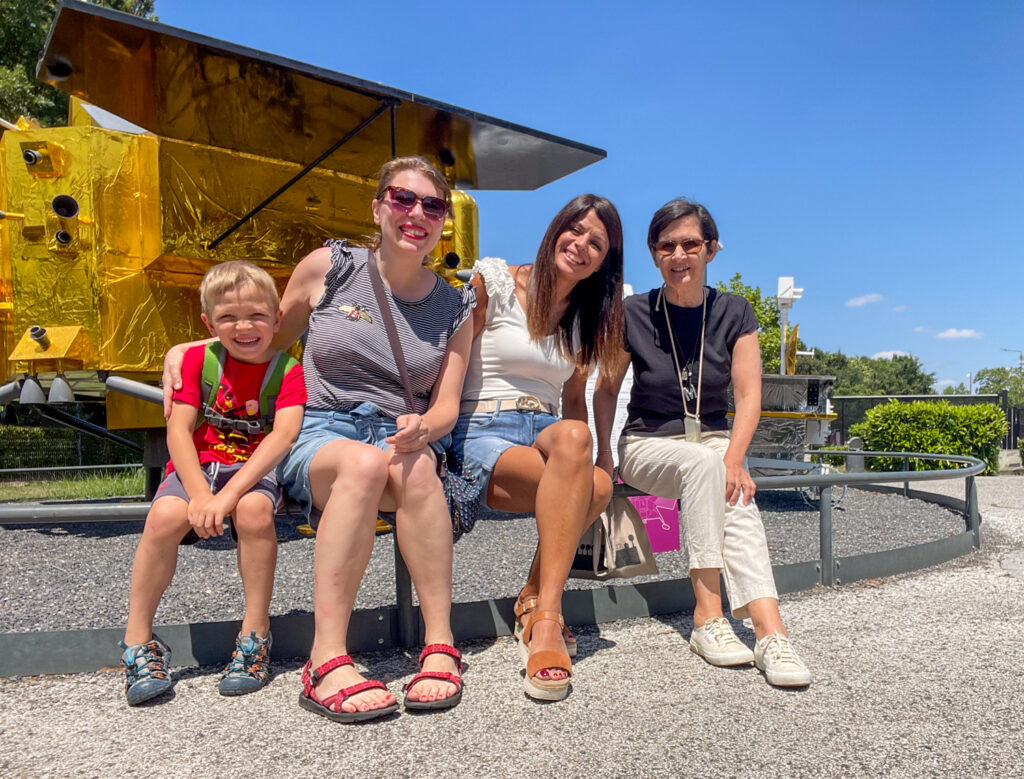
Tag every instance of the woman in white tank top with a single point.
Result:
(539, 330)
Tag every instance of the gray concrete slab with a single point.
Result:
(918, 674)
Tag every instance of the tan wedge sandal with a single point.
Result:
(524, 606)
(539, 659)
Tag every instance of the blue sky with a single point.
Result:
(872, 150)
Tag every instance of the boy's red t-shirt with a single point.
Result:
(237, 398)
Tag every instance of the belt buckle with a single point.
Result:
(528, 403)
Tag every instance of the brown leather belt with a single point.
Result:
(522, 403)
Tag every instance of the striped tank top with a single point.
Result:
(347, 358)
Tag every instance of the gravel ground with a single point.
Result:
(84, 570)
(914, 675)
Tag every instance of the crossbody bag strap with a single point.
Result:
(389, 325)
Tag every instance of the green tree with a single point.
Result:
(766, 309)
(23, 28)
(995, 380)
(901, 375)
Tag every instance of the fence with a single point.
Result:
(57, 447)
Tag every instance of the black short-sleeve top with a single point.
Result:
(655, 405)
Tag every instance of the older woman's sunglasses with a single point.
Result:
(668, 248)
(434, 208)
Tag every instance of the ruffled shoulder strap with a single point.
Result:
(344, 259)
(498, 282)
(466, 305)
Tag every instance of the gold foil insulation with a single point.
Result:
(108, 232)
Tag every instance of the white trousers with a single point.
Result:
(715, 534)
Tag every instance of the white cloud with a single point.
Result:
(888, 355)
(953, 333)
(871, 297)
(945, 383)
(899, 308)
(920, 329)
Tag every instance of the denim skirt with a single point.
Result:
(365, 423)
(479, 439)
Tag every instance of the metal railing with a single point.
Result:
(399, 625)
(70, 469)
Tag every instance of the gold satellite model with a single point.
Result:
(183, 151)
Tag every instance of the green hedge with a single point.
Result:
(50, 447)
(932, 428)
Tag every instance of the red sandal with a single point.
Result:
(330, 706)
(444, 676)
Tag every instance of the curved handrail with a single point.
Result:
(974, 467)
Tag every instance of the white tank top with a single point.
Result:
(504, 362)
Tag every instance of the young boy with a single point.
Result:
(225, 466)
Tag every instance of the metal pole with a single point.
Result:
(783, 324)
(327, 153)
(408, 629)
(906, 484)
(973, 519)
(394, 131)
(828, 566)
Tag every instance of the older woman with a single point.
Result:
(688, 343)
(539, 331)
(361, 449)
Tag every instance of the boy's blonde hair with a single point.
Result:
(226, 276)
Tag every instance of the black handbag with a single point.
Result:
(461, 493)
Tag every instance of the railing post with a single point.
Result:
(828, 567)
(973, 520)
(906, 484)
(408, 629)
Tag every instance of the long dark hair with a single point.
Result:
(590, 330)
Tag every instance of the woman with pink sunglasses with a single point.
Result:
(361, 449)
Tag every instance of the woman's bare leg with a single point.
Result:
(764, 613)
(423, 532)
(347, 480)
(567, 493)
(707, 590)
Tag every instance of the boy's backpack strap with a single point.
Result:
(214, 357)
(280, 364)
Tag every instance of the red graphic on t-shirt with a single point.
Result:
(237, 398)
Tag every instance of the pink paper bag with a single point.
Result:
(661, 519)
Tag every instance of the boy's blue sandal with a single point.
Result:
(249, 667)
(145, 670)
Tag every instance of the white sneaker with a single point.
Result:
(774, 654)
(717, 644)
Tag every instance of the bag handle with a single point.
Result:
(389, 325)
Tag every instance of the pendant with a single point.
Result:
(691, 426)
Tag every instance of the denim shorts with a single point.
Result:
(478, 440)
(365, 423)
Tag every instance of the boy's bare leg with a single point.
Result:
(153, 569)
(257, 557)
